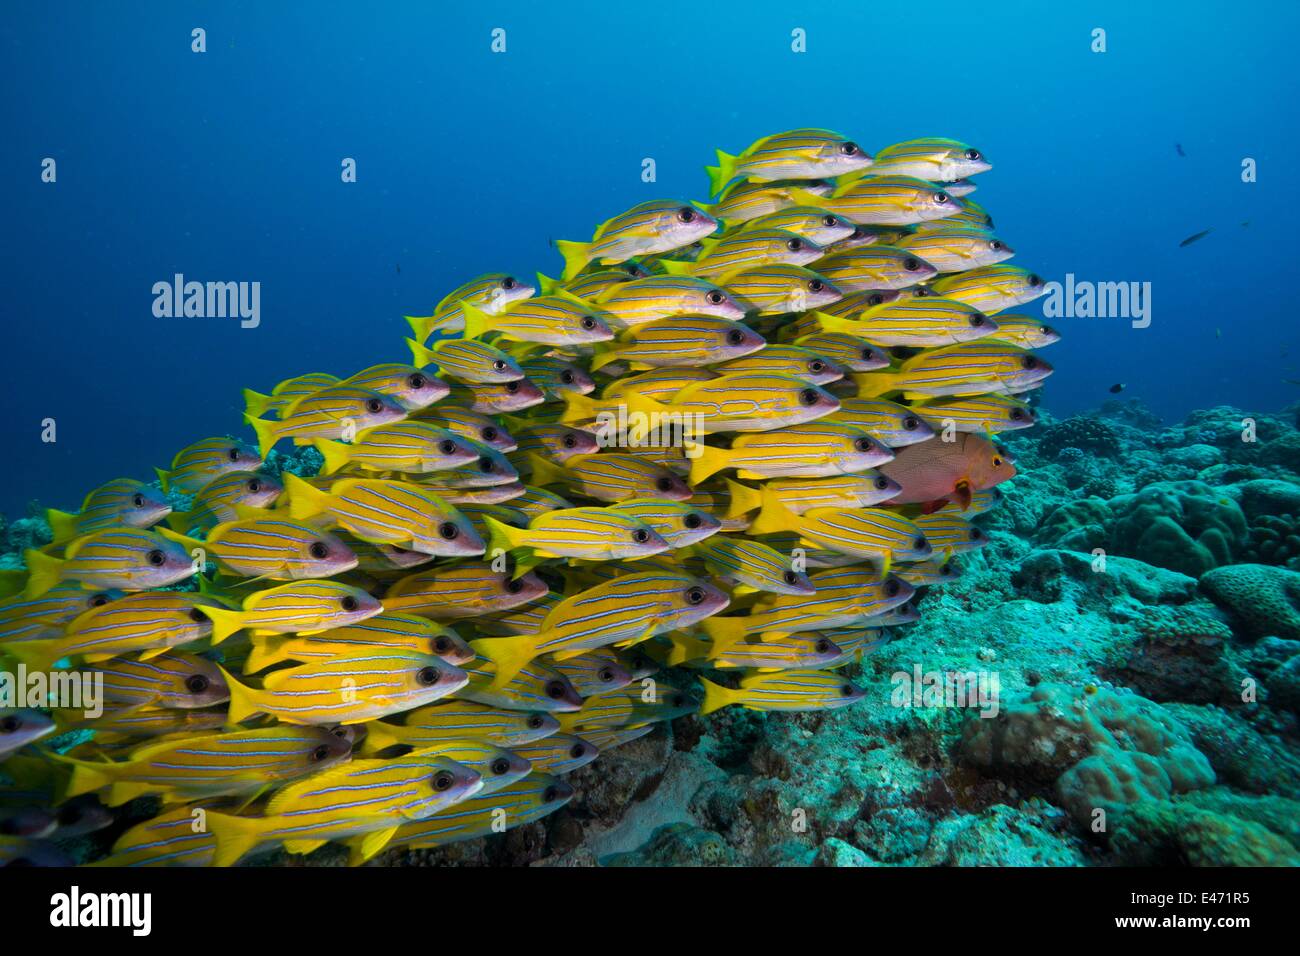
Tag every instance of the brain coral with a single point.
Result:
(1265, 600)
(1104, 749)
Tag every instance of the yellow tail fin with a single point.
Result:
(235, 836)
(43, 572)
(509, 655)
(266, 433)
(744, 499)
(576, 256)
(244, 702)
(725, 630)
(336, 455)
(224, 622)
(421, 325)
(477, 322)
(421, 355)
(255, 403)
(305, 500)
(722, 173)
(709, 461)
(773, 516)
(63, 526)
(716, 697)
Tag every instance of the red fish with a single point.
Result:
(935, 472)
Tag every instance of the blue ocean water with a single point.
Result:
(225, 166)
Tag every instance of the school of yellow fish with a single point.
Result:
(708, 464)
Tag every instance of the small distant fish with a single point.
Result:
(1179, 147)
(1117, 388)
(1194, 237)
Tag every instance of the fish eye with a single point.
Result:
(677, 700)
(254, 485)
(511, 387)
(374, 406)
(485, 465)
(846, 690)
(156, 558)
(441, 644)
(447, 446)
(318, 550)
(10, 724)
(489, 433)
(940, 198)
(794, 245)
(1029, 362)
(976, 534)
(875, 299)
(816, 285)
(552, 792)
(508, 283)
(320, 753)
(554, 689)
(789, 577)
(882, 483)
(428, 676)
(442, 781)
(807, 396)
(995, 244)
(715, 297)
(640, 535)
(892, 587)
(849, 149)
(911, 423)
(692, 521)
(448, 531)
(976, 320)
(695, 595)
(588, 322)
(534, 722)
(197, 616)
(570, 440)
(500, 766)
(566, 377)
(1034, 281)
(1017, 414)
(514, 586)
(823, 646)
(197, 683)
(686, 214)
(499, 365)
(735, 337)
(816, 366)
(997, 461)
(972, 154)
(869, 355)
(664, 484)
(138, 501)
(921, 293)
(862, 444)
(349, 603)
(417, 381)
(232, 454)
(577, 751)
(1046, 330)
(911, 265)
(830, 221)
(99, 600)
(920, 544)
